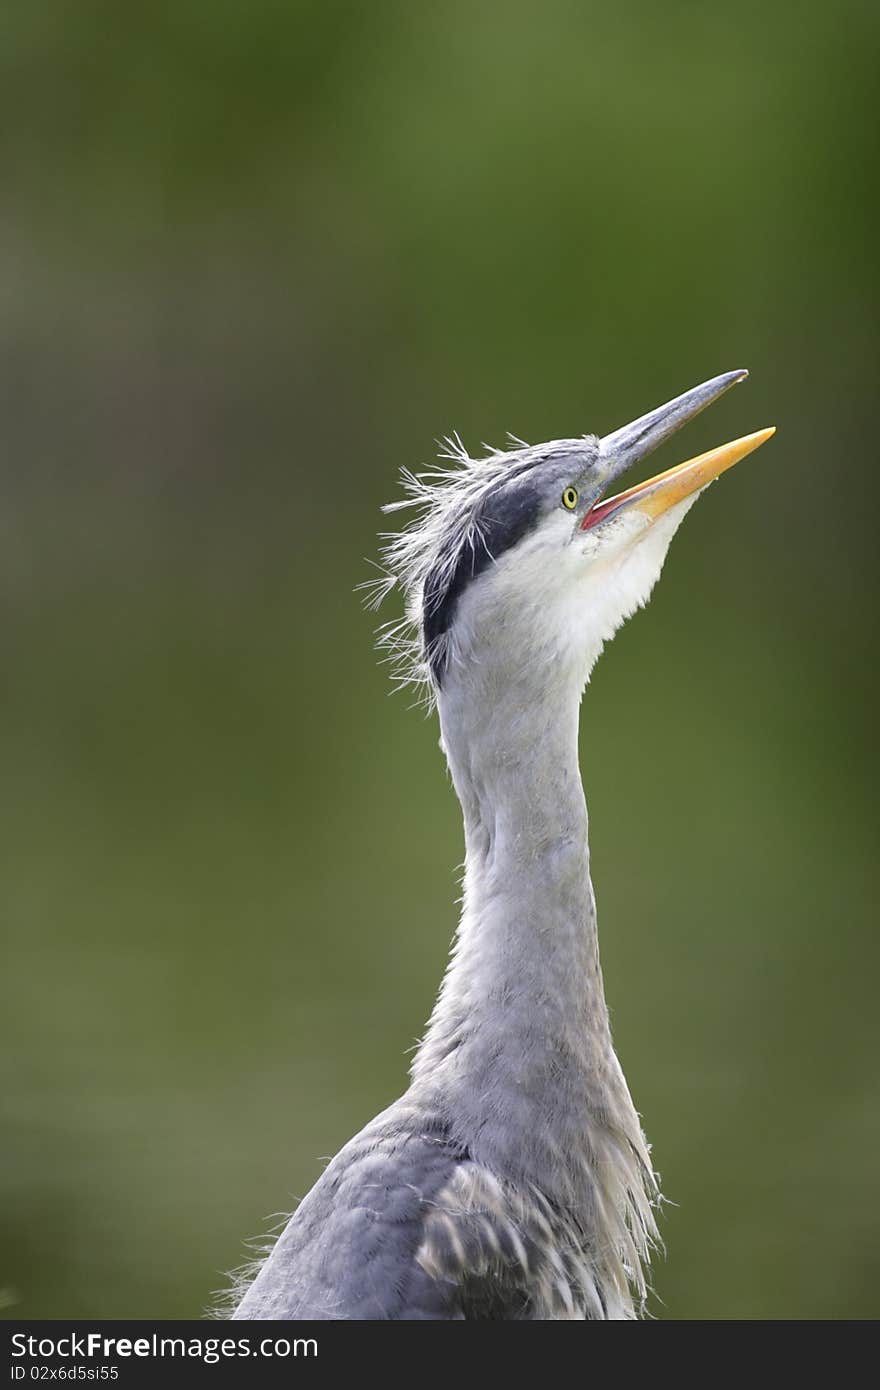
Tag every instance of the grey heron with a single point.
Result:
(512, 1180)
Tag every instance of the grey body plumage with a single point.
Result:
(512, 1180)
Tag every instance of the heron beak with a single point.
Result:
(658, 494)
(626, 446)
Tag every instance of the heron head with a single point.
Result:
(524, 557)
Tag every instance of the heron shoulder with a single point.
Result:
(348, 1251)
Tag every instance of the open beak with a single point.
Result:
(619, 451)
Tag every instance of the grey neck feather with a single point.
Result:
(518, 1050)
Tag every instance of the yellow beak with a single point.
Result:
(658, 494)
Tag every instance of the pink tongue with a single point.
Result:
(596, 513)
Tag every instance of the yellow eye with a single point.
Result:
(570, 498)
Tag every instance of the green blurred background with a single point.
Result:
(253, 259)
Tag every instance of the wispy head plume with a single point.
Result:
(448, 501)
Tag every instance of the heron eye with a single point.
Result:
(570, 498)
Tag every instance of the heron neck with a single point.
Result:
(519, 1043)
